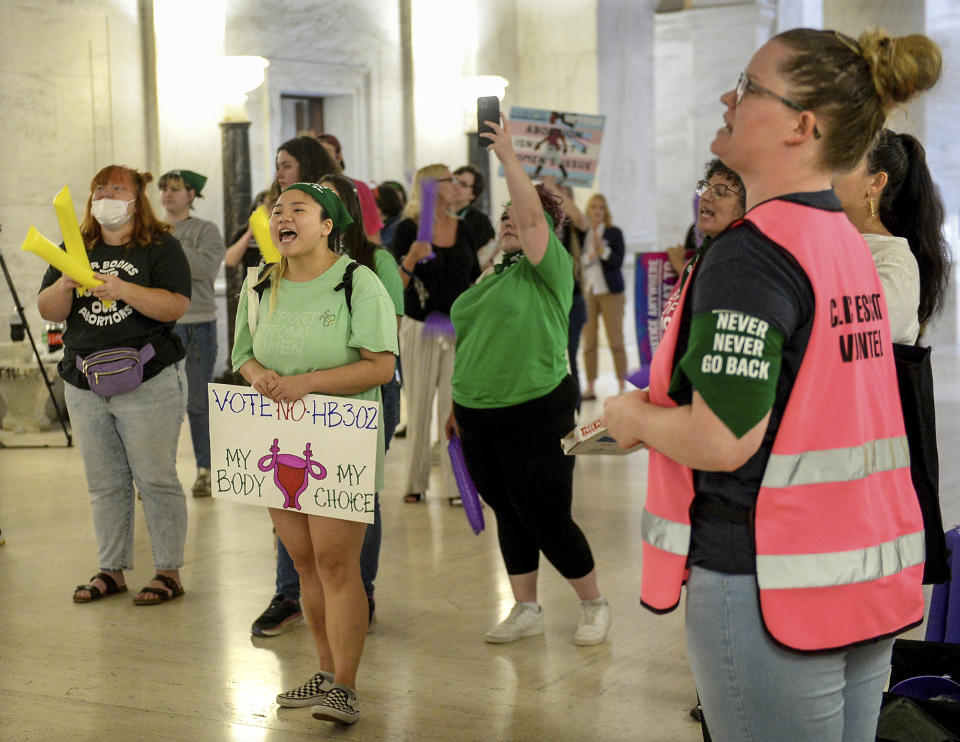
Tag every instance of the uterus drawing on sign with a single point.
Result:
(291, 473)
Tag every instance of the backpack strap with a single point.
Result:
(256, 285)
(346, 283)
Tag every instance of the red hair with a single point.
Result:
(147, 228)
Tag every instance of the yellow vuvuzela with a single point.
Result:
(260, 224)
(82, 273)
(69, 229)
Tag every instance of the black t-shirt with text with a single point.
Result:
(91, 326)
(744, 271)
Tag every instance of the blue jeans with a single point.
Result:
(200, 340)
(754, 690)
(288, 581)
(132, 439)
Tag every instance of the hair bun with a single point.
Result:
(901, 67)
(147, 177)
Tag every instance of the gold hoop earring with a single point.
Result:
(873, 213)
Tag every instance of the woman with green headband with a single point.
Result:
(511, 408)
(351, 357)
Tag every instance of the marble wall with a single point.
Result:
(698, 55)
(73, 96)
(71, 102)
(347, 51)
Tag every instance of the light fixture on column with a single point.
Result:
(238, 77)
(478, 86)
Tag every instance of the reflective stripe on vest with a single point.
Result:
(790, 571)
(837, 464)
(666, 535)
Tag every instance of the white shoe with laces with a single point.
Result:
(525, 619)
(594, 622)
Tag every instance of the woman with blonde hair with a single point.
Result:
(127, 434)
(601, 258)
(434, 274)
(779, 486)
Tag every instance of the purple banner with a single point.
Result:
(428, 190)
(655, 279)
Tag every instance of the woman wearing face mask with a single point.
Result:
(514, 400)
(431, 284)
(601, 257)
(892, 200)
(350, 357)
(779, 484)
(298, 159)
(127, 438)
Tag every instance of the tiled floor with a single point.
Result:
(191, 671)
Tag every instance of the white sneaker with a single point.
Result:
(525, 619)
(594, 622)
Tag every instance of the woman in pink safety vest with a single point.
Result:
(779, 488)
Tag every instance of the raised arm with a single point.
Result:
(532, 229)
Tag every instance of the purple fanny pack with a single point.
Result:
(115, 370)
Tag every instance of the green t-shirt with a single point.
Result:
(512, 332)
(310, 329)
(389, 276)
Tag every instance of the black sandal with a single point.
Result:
(413, 497)
(95, 593)
(162, 595)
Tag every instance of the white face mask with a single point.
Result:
(111, 213)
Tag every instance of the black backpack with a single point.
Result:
(346, 284)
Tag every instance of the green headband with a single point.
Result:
(194, 181)
(329, 200)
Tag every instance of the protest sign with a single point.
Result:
(655, 281)
(317, 455)
(558, 143)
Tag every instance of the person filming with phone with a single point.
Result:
(511, 408)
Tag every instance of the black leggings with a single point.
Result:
(517, 463)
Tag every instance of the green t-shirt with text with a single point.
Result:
(311, 329)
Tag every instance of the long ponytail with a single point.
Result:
(911, 207)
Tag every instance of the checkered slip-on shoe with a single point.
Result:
(340, 705)
(310, 693)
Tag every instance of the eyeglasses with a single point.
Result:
(451, 179)
(744, 83)
(718, 189)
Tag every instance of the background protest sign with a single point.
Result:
(558, 143)
(317, 455)
(655, 280)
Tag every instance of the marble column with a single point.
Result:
(625, 85)
(236, 203)
(941, 111)
(799, 14)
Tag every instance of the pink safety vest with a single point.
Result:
(839, 533)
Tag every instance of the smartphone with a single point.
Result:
(488, 109)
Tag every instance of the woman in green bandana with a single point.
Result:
(348, 357)
(514, 399)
